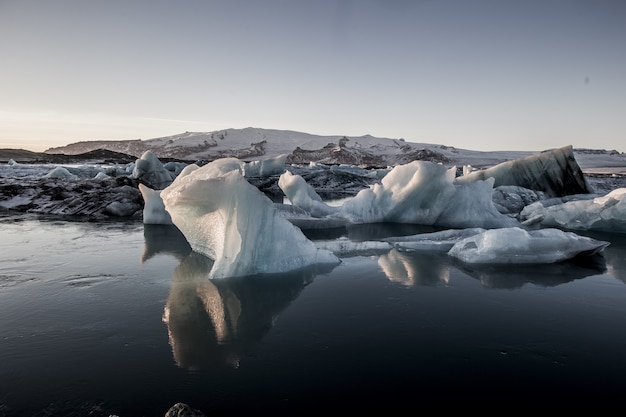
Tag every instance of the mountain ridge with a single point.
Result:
(258, 143)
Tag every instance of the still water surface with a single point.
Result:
(119, 318)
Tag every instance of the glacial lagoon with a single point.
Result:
(119, 318)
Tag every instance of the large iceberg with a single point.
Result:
(420, 192)
(554, 172)
(227, 219)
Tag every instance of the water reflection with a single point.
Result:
(415, 268)
(544, 275)
(160, 238)
(217, 322)
(213, 322)
(428, 269)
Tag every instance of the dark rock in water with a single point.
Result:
(183, 410)
(555, 172)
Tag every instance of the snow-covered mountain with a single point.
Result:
(255, 143)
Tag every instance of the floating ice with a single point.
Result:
(441, 241)
(232, 222)
(303, 196)
(60, 172)
(265, 168)
(515, 245)
(554, 172)
(472, 206)
(345, 247)
(153, 209)
(606, 213)
(420, 192)
(150, 170)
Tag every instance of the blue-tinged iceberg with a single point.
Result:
(514, 245)
(419, 192)
(606, 213)
(227, 219)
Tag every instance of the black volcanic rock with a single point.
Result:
(102, 156)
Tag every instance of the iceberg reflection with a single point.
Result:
(215, 322)
(415, 268)
(429, 269)
(164, 238)
(544, 275)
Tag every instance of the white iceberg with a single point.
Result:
(151, 171)
(303, 196)
(441, 241)
(265, 168)
(345, 247)
(606, 213)
(515, 245)
(153, 209)
(227, 219)
(419, 192)
(60, 172)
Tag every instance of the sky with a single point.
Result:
(484, 75)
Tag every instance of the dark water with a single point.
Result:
(119, 318)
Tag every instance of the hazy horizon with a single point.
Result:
(481, 75)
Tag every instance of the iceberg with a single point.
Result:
(149, 170)
(303, 196)
(419, 192)
(227, 219)
(153, 209)
(605, 213)
(265, 168)
(441, 241)
(61, 173)
(554, 172)
(515, 245)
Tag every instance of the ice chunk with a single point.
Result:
(232, 222)
(345, 247)
(441, 241)
(303, 196)
(265, 168)
(60, 172)
(606, 213)
(472, 206)
(420, 192)
(515, 245)
(150, 170)
(417, 192)
(153, 209)
(554, 172)
(101, 176)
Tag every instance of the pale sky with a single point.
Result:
(483, 75)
